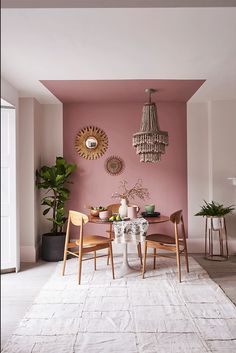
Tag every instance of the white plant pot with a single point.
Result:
(216, 223)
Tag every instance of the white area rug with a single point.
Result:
(130, 314)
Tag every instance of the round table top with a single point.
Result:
(160, 219)
(151, 220)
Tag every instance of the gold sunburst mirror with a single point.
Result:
(91, 142)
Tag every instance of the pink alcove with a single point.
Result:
(166, 181)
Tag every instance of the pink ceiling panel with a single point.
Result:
(82, 91)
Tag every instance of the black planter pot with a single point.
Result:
(53, 247)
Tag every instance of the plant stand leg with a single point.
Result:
(206, 238)
(226, 240)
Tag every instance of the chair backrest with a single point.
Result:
(77, 219)
(176, 216)
(177, 219)
(113, 208)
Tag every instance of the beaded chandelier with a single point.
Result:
(150, 141)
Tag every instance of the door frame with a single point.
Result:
(14, 189)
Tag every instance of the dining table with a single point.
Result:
(125, 268)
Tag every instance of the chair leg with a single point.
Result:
(186, 253)
(110, 236)
(154, 260)
(112, 263)
(186, 258)
(144, 259)
(95, 261)
(178, 263)
(64, 262)
(80, 267)
(140, 253)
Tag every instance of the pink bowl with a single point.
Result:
(103, 215)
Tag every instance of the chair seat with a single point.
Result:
(72, 244)
(93, 240)
(161, 238)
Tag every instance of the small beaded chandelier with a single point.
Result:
(150, 141)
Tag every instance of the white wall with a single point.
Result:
(223, 127)
(211, 159)
(51, 146)
(41, 140)
(39, 135)
(52, 136)
(27, 180)
(11, 95)
(38, 113)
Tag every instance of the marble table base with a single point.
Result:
(125, 268)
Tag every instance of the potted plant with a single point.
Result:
(216, 212)
(53, 180)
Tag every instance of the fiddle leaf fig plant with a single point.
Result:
(53, 180)
(214, 209)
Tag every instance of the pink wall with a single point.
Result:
(166, 181)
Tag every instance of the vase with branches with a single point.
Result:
(136, 191)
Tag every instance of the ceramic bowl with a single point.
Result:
(149, 208)
(94, 213)
(103, 215)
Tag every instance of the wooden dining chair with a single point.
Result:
(175, 244)
(114, 208)
(85, 244)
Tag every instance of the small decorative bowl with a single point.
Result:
(104, 215)
(94, 213)
(149, 208)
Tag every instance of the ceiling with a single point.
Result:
(120, 44)
(122, 91)
(114, 3)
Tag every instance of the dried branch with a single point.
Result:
(136, 191)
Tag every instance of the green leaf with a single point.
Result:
(53, 179)
(47, 202)
(60, 161)
(64, 195)
(46, 211)
(60, 178)
(214, 209)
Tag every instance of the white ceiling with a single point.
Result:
(131, 43)
(114, 3)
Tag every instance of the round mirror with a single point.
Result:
(91, 142)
